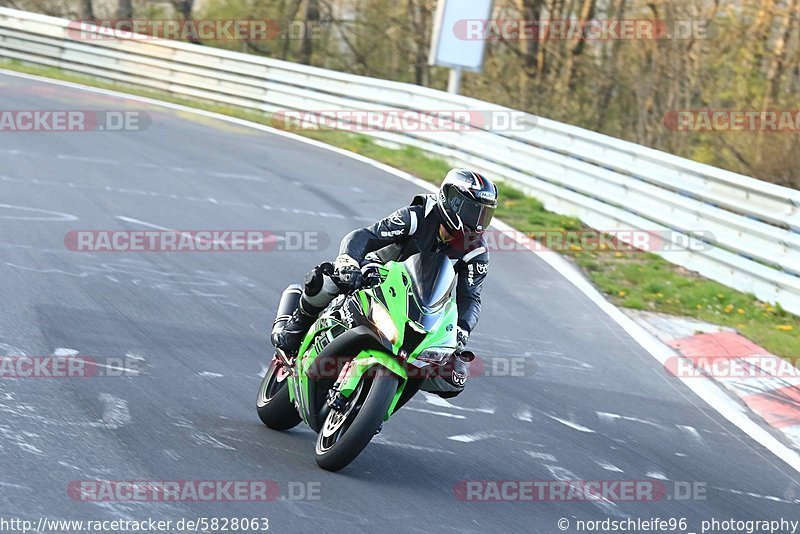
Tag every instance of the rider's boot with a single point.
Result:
(449, 379)
(290, 338)
(456, 375)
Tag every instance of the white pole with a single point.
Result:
(454, 82)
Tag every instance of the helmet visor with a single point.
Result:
(476, 216)
(472, 214)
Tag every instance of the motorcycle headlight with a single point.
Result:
(383, 321)
(436, 354)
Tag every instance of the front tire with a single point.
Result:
(272, 403)
(344, 435)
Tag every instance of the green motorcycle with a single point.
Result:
(367, 354)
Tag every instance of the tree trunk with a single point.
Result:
(778, 62)
(125, 9)
(292, 14)
(567, 81)
(530, 10)
(312, 18)
(184, 7)
(612, 81)
(86, 10)
(420, 29)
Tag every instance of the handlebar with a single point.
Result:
(371, 274)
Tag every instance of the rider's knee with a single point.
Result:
(319, 288)
(315, 279)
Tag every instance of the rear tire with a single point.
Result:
(367, 407)
(273, 404)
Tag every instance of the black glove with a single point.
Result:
(347, 273)
(462, 336)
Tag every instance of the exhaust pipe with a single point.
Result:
(290, 299)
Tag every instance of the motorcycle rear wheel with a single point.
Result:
(272, 403)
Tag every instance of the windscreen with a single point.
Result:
(432, 279)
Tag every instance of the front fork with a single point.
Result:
(346, 383)
(337, 399)
(353, 373)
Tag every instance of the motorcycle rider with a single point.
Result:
(450, 222)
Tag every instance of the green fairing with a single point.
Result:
(395, 291)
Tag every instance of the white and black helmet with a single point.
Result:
(466, 201)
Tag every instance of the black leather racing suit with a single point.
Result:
(415, 228)
(409, 230)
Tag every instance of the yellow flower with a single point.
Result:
(699, 306)
(740, 325)
(618, 254)
(740, 311)
(621, 293)
(729, 308)
(784, 327)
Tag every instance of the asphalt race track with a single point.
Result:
(591, 404)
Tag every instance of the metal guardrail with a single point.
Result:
(749, 229)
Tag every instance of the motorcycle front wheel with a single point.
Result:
(345, 433)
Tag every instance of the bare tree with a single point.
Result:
(312, 17)
(85, 10)
(124, 9)
(420, 18)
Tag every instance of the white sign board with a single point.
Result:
(450, 47)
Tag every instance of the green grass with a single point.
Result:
(631, 279)
(647, 282)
